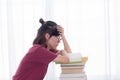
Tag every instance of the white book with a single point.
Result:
(75, 57)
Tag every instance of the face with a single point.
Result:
(53, 42)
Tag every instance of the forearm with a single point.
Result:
(66, 45)
(62, 57)
(65, 42)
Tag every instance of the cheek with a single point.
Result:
(53, 42)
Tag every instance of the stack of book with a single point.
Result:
(74, 70)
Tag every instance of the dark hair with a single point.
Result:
(49, 27)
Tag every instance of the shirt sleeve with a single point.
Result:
(42, 55)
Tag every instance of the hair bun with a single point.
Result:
(41, 21)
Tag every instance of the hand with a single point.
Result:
(62, 52)
(61, 30)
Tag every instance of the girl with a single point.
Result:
(35, 63)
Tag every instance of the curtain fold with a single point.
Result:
(114, 10)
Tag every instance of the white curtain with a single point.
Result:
(92, 27)
(19, 21)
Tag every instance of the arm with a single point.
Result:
(65, 42)
(63, 54)
(62, 57)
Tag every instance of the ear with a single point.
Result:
(47, 36)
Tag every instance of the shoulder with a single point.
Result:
(36, 46)
(40, 49)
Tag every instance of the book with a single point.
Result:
(73, 64)
(71, 70)
(74, 76)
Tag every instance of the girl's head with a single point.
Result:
(47, 35)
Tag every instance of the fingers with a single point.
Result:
(60, 29)
(61, 52)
